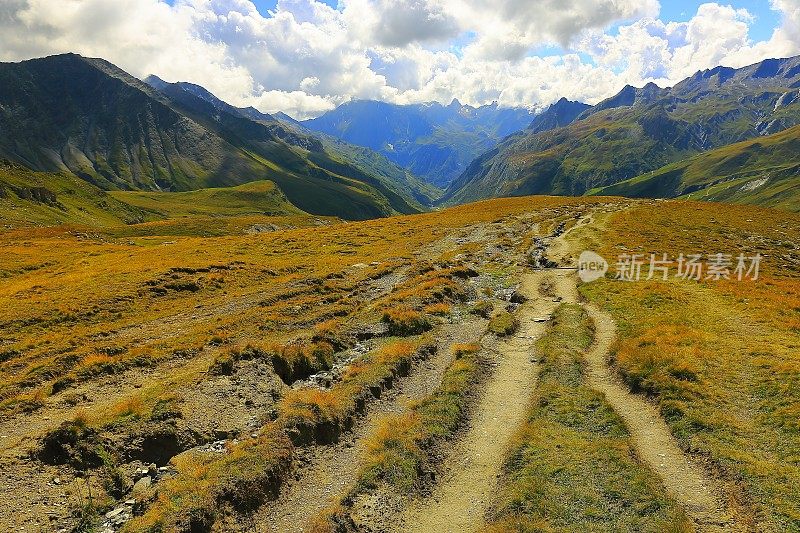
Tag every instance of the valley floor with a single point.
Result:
(437, 372)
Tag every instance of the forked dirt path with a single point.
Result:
(655, 445)
(333, 469)
(652, 439)
(460, 500)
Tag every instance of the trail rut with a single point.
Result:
(460, 500)
(656, 447)
(652, 438)
(333, 469)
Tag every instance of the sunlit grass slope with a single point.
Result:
(255, 198)
(71, 298)
(763, 171)
(46, 199)
(722, 359)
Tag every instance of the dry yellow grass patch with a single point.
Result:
(721, 358)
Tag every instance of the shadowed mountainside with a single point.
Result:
(86, 116)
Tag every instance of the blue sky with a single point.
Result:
(303, 59)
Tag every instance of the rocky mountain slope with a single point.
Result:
(432, 141)
(558, 115)
(40, 198)
(87, 117)
(259, 132)
(638, 131)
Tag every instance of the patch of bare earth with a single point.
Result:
(460, 500)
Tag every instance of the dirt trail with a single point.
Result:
(334, 469)
(651, 437)
(460, 500)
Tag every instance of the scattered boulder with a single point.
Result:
(518, 298)
(157, 442)
(141, 486)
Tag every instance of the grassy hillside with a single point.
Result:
(720, 359)
(764, 171)
(318, 180)
(42, 199)
(120, 350)
(69, 113)
(604, 148)
(395, 177)
(255, 198)
(639, 131)
(73, 114)
(47, 199)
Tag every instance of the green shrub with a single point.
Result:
(482, 308)
(503, 324)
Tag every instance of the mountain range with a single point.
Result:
(433, 141)
(639, 133)
(87, 128)
(85, 116)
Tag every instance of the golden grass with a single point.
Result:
(721, 358)
(299, 360)
(196, 294)
(71, 293)
(311, 408)
(404, 321)
(439, 309)
(207, 487)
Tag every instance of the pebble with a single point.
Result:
(57, 481)
(216, 446)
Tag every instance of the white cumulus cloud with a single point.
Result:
(305, 57)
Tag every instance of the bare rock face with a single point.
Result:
(157, 442)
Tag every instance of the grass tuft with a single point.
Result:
(503, 324)
(404, 321)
